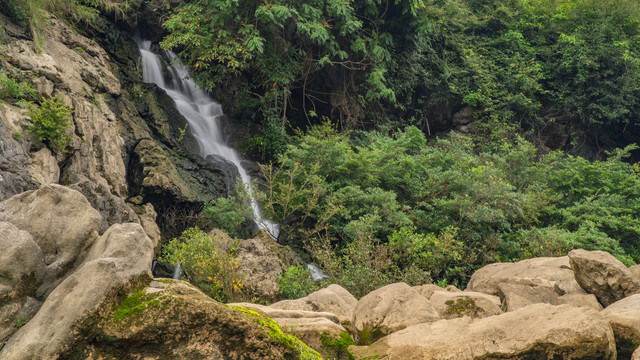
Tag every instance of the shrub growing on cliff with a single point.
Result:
(12, 90)
(50, 122)
(207, 262)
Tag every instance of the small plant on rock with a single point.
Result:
(50, 122)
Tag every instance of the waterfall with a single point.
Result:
(203, 115)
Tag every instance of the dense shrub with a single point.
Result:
(228, 214)
(50, 122)
(207, 262)
(393, 208)
(296, 282)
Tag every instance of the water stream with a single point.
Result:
(203, 115)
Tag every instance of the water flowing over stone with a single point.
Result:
(203, 114)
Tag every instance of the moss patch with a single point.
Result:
(289, 341)
(136, 303)
(370, 334)
(462, 306)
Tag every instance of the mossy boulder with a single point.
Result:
(171, 319)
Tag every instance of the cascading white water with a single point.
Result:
(203, 115)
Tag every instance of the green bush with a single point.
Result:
(12, 90)
(228, 214)
(295, 283)
(379, 209)
(50, 122)
(207, 262)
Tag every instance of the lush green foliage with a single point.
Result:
(12, 90)
(50, 122)
(379, 209)
(275, 56)
(295, 283)
(207, 262)
(228, 214)
(521, 64)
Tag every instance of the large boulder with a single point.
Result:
(624, 317)
(123, 253)
(556, 270)
(333, 299)
(539, 331)
(62, 223)
(520, 292)
(261, 266)
(389, 309)
(465, 303)
(21, 273)
(539, 280)
(636, 355)
(171, 319)
(602, 275)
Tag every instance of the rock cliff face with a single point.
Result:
(124, 150)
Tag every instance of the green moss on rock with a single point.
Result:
(171, 319)
(288, 340)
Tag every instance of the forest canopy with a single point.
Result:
(522, 65)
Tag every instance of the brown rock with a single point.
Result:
(539, 331)
(308, 326)
(389, 309)
(427, 290)
(520, 292)
(635, 270)
(260, 266)
(636, 355)
(602, 275)
(61, 222)
(584, 300)
(624, 317)
(177, 321)
(124, 252)
(21, 273)
(465, 303)
(333, 299)
(556, 270)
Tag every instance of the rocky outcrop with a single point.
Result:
(333, 299)
(63, 264)
(62, 223)
(171, 319)
(539, 331)
(21, 273)
(624, 317)
(602, 275)
(539, 280)
(261, 267)
(389, 309)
